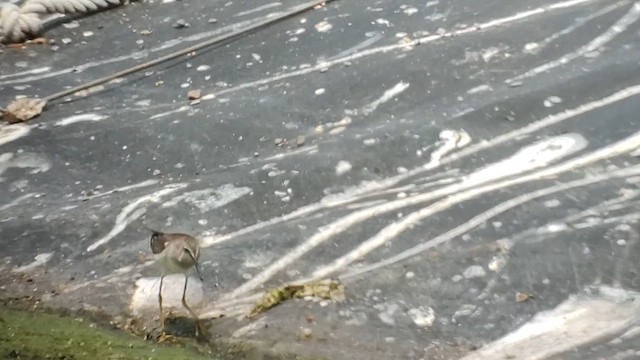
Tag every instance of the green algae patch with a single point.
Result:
(41, 335)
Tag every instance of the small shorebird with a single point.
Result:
(177, 254)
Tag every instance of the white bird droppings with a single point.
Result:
(423, 317)
(410, 11)
(496, 264)
(387, 316)
(343, 167)
(323, 26)
(552, 100)
(552, 203)
(474, 271)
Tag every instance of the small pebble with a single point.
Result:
(194, 94)
(181, 24)
(213, 21)
(304, 334)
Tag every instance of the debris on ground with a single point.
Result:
(181, 24)
(89, 91)
(304, 334)
(194, 94)
(323, 289)
(280, 142)
(24, 109)
(522, 297)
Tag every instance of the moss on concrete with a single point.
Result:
(42, 335)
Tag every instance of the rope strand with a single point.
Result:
(19, 22)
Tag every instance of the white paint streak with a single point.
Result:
(258, 9)
(208, 199)
(480, 88)
(446, 146)
(365, 44)
(539, 154)
(388, 95)
(545, 122)
(131, 212)
(405, 45)
(304, 150)
(577, 24)
(42, 70)
(39, 260)
(349, 195)
(17, 201)
(620, 26)
(124, 188)
(170, 112)
(393, 230)
(577, 321)
(24, 160)
(79, 118)
(9, 133)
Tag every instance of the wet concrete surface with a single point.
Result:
(436, 157)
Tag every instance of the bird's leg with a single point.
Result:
(160, 302)
(163, 337)
(199, 328)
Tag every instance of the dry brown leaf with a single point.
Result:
(23, 109)
(522, 297)
(324, 289)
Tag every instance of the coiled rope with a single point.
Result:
(17, 23)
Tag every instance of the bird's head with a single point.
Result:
(158, 241)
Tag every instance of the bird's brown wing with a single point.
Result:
(192, 247)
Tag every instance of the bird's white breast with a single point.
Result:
(169, 265)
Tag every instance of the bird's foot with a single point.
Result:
(166, 338)
(201, 331)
